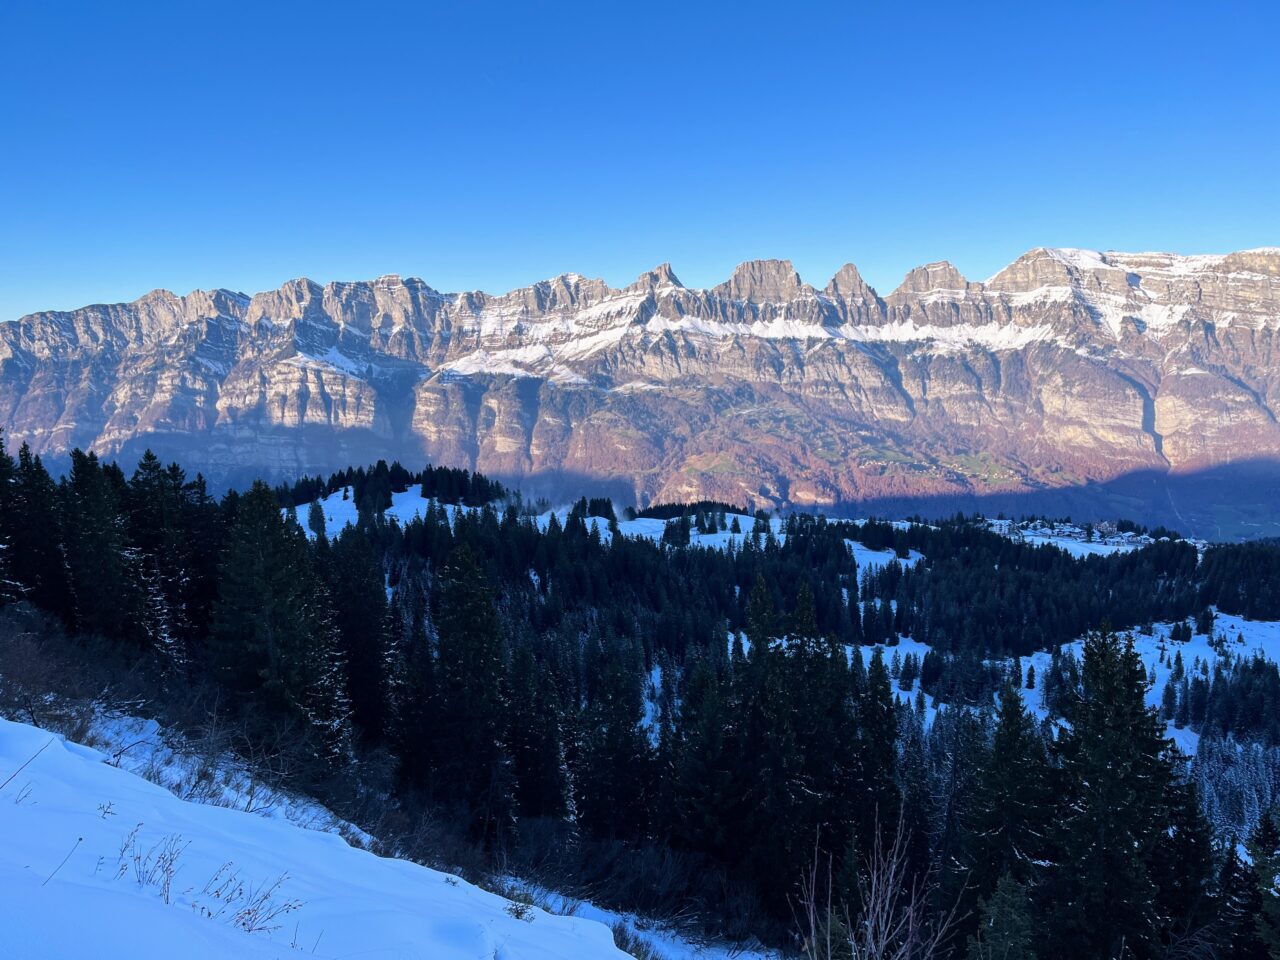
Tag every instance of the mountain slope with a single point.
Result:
(1067, 368)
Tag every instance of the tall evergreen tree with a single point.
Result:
(613, 779)
(273, 632)
(105, 579)
(1264, 852)
(10, 589)
(535, 739)
(35, 523)
(158, 533)
(474, 766)
(1006, 928)
(1009, 823)
(1113, 811)
(356, 582)
(1240, 910)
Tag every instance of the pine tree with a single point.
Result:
(273, 632)
(1113, 811)
(1006, 930)
(1009, 822)
(357, 584)
(105, 579)
(613, 778)
(1240, 910)
(474, 767)
(35, 526)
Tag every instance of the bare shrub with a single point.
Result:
(154, 866)
(893, 920)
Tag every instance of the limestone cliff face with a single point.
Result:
(1067, 367)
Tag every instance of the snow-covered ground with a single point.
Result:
(340, 510)
(98, 862)
(1075, 539)
(1244, 638)
(222, 819)
(867, 558)
(668, 944)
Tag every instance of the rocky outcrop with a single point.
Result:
(1068, 369)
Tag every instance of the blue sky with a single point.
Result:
(484, 145)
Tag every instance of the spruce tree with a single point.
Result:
(273, 634)
(534, 737)
(1264, 852)
(357, 586)
(1008, 825)
(613, 781)
(35, 524)
(105, 579)
(474, 766)
(1237, 932)
(877, 727)
(706, 799)
(157, 530)
(1006, 929)
(1113, 811)
(10, 589)
(315, 519)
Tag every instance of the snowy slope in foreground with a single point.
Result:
(67, 802)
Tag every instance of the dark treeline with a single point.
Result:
(1244, 579)
(678, 729)
(669, 511)
(371, 488)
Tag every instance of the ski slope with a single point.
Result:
(82, 867)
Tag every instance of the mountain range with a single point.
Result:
(1102, 384)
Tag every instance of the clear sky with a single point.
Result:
(485, 145)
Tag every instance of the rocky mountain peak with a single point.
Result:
(1067, 364)
(764, 281)
(660, 276)
(933, 277)
(1264, 261)
(848, 285)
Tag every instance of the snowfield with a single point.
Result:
(98, 862)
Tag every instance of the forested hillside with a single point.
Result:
(743, 735)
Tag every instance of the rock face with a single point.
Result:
(1069, 370)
